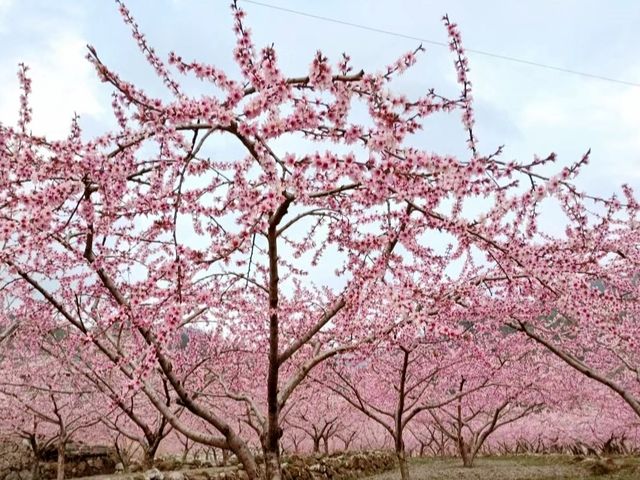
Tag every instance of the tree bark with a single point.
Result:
(272, 466)
(399, 426)
(271, 445)
(245, 457)
(61, 460)
(148, 458)
(465, 453)
(402, 463)
(35, 451)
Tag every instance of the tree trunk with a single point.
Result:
(442, 445)
(465, 453)
(149, 457)
(402, 462)
(272, 466)
(399, 426)
(35, 451)
(271, 442)
(316, 444)
(326, 446)
(35, 468)
(61, 460)
(245, 457)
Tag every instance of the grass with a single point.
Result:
(520, 467)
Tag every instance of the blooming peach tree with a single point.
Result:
(174, 263)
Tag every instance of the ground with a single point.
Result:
(548, 467)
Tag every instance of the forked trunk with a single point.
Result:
(148, 458)
(465, 453)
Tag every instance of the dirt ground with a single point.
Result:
(548, 467)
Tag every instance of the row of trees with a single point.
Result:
(426, 399)
(213, 282)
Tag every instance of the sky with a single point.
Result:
(529, 110)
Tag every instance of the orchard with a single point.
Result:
(326, 284)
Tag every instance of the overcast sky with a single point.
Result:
(530, 110)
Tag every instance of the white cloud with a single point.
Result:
(49, 39)
(63, 82)
(605, 119)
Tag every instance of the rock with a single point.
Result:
(119, 467)
(153, 474)
(82, 467)
(174, 476)
(25, 475)
(196, 475)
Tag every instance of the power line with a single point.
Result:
(443, 44)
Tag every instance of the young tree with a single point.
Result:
(416, 370)
(320, 415)
(514, 384)
(41, 402)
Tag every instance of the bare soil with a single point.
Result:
(547, 467)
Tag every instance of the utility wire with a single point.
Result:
(443, 44)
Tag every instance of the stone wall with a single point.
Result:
(85, 461)
(16, 461)
(346, 466)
